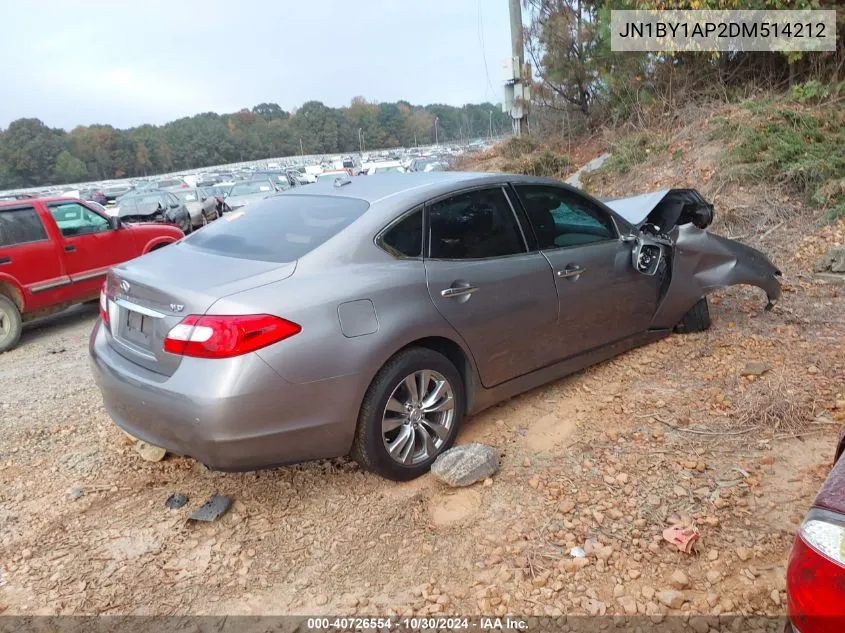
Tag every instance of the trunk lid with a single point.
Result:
(148, 296)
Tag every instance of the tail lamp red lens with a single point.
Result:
(815, 576)
(219, 336)
(104, 303)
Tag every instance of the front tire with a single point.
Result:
(411, 414)
(697, 319)
(10, 324)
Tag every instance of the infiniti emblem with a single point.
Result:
(124, 285)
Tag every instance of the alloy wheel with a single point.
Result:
(418, 417)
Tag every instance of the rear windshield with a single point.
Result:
(278, 229)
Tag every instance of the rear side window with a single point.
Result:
(19, 226)
(404, 239)
(279, 229)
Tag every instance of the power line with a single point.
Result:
(484, 52)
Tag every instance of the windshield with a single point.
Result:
(384, 170)
(331, 175)
(279, 229)
(188, 195)
(251, 188)
(141, 204)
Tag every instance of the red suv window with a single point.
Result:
(19, 226)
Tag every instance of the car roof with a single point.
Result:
(45, 200)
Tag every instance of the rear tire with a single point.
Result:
(370, 446)
(10, 324)
(697, 319)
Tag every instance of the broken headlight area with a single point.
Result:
(153, 217)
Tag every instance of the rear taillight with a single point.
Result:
(226, 336)
(104, 303)
(815, 576)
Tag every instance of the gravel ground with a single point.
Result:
(604, 460)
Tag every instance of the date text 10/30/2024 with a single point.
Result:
(415, 624)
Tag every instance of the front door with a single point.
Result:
(499, 297)
(602, 298)
(89, 246)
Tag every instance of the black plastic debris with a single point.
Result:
(57, 350)
(175, 501)
(212, 509)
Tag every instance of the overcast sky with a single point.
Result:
(133, 62)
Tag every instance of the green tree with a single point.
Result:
(69, 169)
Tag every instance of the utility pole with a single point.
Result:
(360, 142)
(491, 126)
(435, 131)
(518, 52)
(301, 150)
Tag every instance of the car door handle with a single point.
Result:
(571, 271)
(5, 260)
(70, 248)
(458, 291)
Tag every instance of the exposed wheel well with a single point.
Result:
(158, 246)
(13, 293)
(457, 357)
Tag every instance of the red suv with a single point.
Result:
(55, 252)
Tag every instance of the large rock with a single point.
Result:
(832, 261)
(465, 464)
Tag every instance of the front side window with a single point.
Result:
(562, 218)
(404, 239)
(75, 219)
(20, 226)
(474, 225)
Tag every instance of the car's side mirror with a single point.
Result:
(647, 255)
(174, 205)
(114, 222)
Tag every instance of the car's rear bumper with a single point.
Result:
(231, 414)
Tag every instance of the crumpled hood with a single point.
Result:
(666, 208)
(636, 208)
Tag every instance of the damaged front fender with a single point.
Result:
(703, 262)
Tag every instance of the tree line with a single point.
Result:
(581, 84)
(33, 154)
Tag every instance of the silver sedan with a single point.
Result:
(370, 316)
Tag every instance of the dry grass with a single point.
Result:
(773, 404)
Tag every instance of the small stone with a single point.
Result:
(629, 605)
(75, 493)
(812, 369)
(775, 597)
(622, 478)
(712, 555)
(743, 553)
(149, 452)
(566, 506)
(679, 580)
(727, 605)
(526, 463)
(713, 576)
(487, 482)
(755, 368)
(633, 574)
(465, 464)
(648, 592)
(26, 554)
(321, 600)
(671, 598)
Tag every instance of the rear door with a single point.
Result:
(498, 296)
(30, 259)
(89, 246)
(602, 298)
